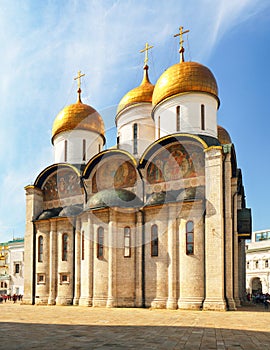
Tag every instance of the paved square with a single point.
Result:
(58, 327)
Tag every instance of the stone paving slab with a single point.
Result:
(73, 327)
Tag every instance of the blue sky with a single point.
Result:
(44, 43)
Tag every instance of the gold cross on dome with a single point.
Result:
(79, 79)
(147, 47)
(181, 41)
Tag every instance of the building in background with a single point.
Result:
(159, 221)
(12, 267)
(258, 263)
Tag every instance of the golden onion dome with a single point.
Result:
(142, 93)
(78, 116)
(223, 136)
(185, 77)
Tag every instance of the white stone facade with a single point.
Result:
(12, 267)
(258, 263)
(161, 227)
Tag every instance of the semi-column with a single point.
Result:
(53, 263)
(172, 251)
(111, 262)
(77, 262)
(214, 231)
(86, 297)
(229, 233)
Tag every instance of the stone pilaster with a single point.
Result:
(34, 206)
(111, 261)
(191, 266)
(214, 232)
(87, 266)
(229, 233)
(53, 263)
(138, 261)
(236, 248)
(161, 262)
(172, 252)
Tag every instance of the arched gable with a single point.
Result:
(175, 165)
(162, 142)
(61, 186)
(111, 169)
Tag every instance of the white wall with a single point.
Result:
(190, 115)
(94, 144)
(140, 114)
(16, 256)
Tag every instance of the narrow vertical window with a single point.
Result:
(17, 268)
(127, 242)
(65, 151)
(99, 148)
(159, 127)
(40, 249)
(82, 245)
(84, 150)
(248, 265)
(266, 264)
(178, 118)
(100, 243)
(135, 138)
(118, 141)
(154, 240)
(64, 247)
(202, 117)
(256, 264)
(189, 238)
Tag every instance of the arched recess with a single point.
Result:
(61, 186)
(256, 285)
(111, 170)
(175, 165)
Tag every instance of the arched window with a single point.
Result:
(84, 150)
(64, 247)
(40, 249)
(178, 118)
(266, 263)
(100, 242)
(65, 151)
(154, 240)
(190, 238)
(82, 245)
(256, 264)
(127, 242)
(202, 117)
(135, 138)
(247, 264)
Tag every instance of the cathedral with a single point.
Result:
(157, 221)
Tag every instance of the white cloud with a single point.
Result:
(44, 44)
